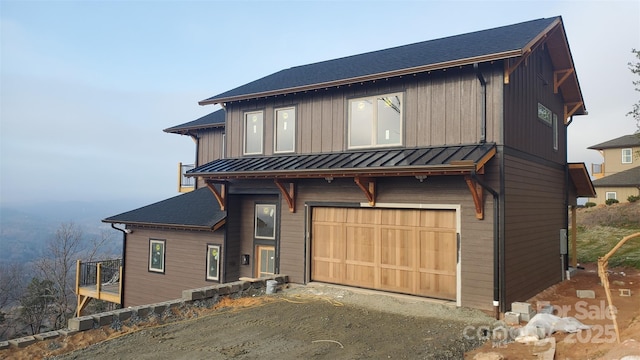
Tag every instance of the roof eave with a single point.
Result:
(187, 129)
(378, 76)
(216, 226)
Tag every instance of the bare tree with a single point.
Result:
(635, 69)
(36, 304)
(12, 285)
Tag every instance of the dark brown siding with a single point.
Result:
(209, 147)
(534, 214)
(530, 84)
(185, 265)
(440, 108)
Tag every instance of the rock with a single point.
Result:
(488, 356)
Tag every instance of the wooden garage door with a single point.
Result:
(401, 250)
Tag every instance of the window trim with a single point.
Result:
(274, 208)
(555, 131)
(374, 128)
(244, 140)
(275, 130)
(211, 247)
(628, 156)
(614, 193)
(155, 243)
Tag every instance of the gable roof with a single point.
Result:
(215, 119)
(500, 43)
(197, 210)
(627, 178)
(382, 162)
(622, 141)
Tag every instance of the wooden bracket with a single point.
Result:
(288, 192)
(559, 76)
(477, 194)
(368, 186)
(221, 195)
(570, 109)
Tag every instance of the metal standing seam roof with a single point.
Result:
(493, 44)
(627, 178)
(441, 158)
(197, 209)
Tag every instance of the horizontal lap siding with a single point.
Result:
(476, 235)
(185, 265)
(534, 215)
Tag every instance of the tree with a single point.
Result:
(36, 304)
(635, 69)
(12, 285)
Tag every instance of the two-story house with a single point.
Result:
(618, 176)
(435, 169)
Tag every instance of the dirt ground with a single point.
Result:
(316, 321)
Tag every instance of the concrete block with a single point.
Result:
(245, 285)
(47, 335)
(23, 341)
(527, 317)
(512, 318)
(159, 308)
(81, 323)
(258, 283)
(586, 294)
(141, 311)
(175, 303)
(235, 286)
(192, 294)
(281, 279)
(4, 345)
(66, 332)
(224, 289)
(122, 314)
(521, 307)
(103, 318)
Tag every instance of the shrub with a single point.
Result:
(633, 198)
(611, 201)
(589, 204)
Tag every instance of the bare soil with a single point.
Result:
(317, 321)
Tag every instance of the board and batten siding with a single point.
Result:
(534, 213)
(209, 147)
(441, 108)
(185, 264)
(532, 83)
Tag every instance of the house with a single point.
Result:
(435, 169)
(618, 177)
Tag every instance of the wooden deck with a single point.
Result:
(94, 286)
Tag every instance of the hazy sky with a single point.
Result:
(87, 87)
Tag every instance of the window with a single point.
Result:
(265, 221)
(213, 262)
(285, 133)
(156, 255)
(544, 114)
(610, 195)
(253, 133)
(555, 132)
(224, 146)
(375, 121)
(626, 156)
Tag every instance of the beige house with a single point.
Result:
(618, 177)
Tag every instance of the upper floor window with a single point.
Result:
(253, 132)
(555, 132)
(285, 134)
(375, 121)
(544, 114)
(627, 156)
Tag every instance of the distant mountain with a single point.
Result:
(25, 229)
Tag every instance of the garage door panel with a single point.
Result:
(408, 251)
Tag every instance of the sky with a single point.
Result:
(86, 87)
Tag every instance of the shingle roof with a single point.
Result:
(627, 178)
(393, 161)
(622, 141)
(493, 44)
(197, 209)
(215, 119)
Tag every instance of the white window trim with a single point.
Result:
(608, 193)
(211, 247)
(152, 245)
(555, 132)
(275, 130)
(375, 124)
(255, 221)
(627, 158)
(244, 140)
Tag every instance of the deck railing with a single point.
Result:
(109, 272)
(98, 280)
(185, 184)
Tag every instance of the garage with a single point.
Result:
(411, 251)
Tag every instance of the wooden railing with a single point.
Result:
(98, 280)
(185, 184)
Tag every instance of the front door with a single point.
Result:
(266, 265)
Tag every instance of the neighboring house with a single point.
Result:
(435, 169)
(618, 176)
